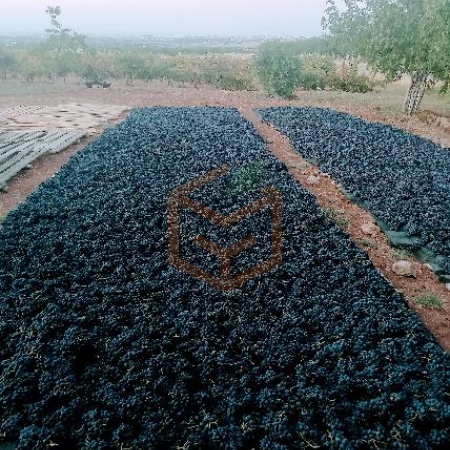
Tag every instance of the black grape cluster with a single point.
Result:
(107, 346)
(403, 180)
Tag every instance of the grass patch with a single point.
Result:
(365, 243)
(401, 254)
(337, 217)
(301, 166)
(431, 301)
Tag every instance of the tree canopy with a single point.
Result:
(397, 37)
(63, 39)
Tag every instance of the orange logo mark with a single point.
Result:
(225, 283)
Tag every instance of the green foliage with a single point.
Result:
(221, 71)
(397, 37)
(338, 217)
(316, 71)
(401, 254)
(278, 68)
(390, 35)
(322, 72)
(8, 62)
(130, 66)
(62, 39)
(161, 68)
(366, 243)
(348, 79)
(32, 65)
(311, 80)
(59, 64)
(95, 67)
(431, 301)
(224, 73)
(247, 178)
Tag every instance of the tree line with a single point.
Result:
(394, 37)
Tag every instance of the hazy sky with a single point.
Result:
(220, 17)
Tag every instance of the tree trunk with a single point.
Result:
(408, 96)
(415, 93)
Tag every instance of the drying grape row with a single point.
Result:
(403, 180)
(105, 345)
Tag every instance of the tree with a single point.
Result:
(397, 37)
(65, 63)
(278, 68)
(63, 39)
(8, 63)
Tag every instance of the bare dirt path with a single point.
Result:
(353, 218)
(326, 192)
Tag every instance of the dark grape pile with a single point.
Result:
(106, 346)
(403, 180)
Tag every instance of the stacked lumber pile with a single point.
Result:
(27, 132)
(73, 117)
(18, 149)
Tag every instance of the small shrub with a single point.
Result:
(311, 80)
(130, 66)
(31, 66)
(279, 69)
(8, 63)
(223, 72)
(348, 79)
(96, 68)
(337, 217)
(227, 73)
(247, 178)
(401, 254)
(365, 243)
(331, 213)
(316, 70)
(158, 69)
(321, 72)
(429, 301)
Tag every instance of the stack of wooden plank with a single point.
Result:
(18, 149)
(17, 111)
(85, 117)
(27, 132)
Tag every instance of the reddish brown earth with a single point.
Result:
(326, 191)
(328, 195)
